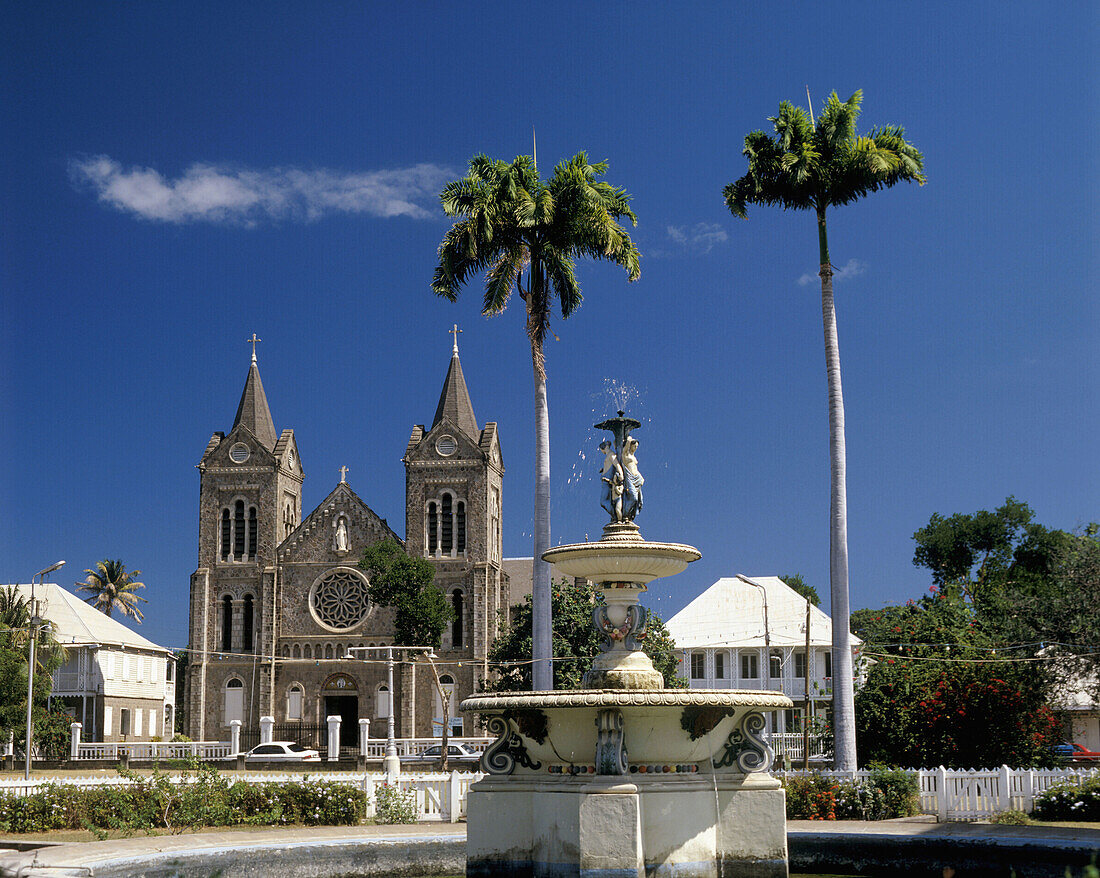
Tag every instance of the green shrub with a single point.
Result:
(860, 801)
(1069, 801)
(811, 798)
(393, 806)
(201, 798)
(1011, 818)
(899, 789)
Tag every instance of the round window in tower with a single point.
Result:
(446, 445)
(338, 599)
(239, 453)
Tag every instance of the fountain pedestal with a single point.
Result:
(624, 778)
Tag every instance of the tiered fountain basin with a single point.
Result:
(664, 730)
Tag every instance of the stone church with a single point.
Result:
(278, 599)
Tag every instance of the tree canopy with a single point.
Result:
(110, 587)
(967, 675)
(513, 221)
(404, 583)
(797, 583)
(576, 642)
(15, 622)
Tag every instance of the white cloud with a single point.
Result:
(209, 193)
(700, 238)
(851, 268)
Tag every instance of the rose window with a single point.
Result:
(339, 599)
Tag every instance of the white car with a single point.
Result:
(283, 751)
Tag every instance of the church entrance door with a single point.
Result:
(347, 708)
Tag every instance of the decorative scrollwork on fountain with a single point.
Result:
(746, 748)
(610, 744)
(501, 756)
(629, 632)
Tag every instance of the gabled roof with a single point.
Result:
(253, 410)
(341, 498)
(454, 402)
(80, 624)
(731, 613)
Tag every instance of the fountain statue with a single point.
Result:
(625, 777)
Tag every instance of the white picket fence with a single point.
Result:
(971, 794)
(147, 751)
(439, 796)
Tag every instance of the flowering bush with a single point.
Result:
(204, 798)
(1068, 801)
(885, 794)
(393, 806)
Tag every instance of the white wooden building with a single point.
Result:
(117, 684)
(750, 633)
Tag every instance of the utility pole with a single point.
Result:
(35, 622)
(806, 693)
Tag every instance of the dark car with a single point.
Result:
(1075, 752)
(457, 754)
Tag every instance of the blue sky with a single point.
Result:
(177, 176)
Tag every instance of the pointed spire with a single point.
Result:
(253, 411)
(454, 401)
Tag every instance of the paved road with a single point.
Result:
(440, 847)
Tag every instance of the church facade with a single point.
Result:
(278, 599)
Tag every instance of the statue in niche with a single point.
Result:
(340, 541)
(611, 478)
(633, 481)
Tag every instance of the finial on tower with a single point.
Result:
(455, 333)
(252, 341)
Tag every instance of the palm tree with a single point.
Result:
(815, 166)
(112, 588)
(513, 223)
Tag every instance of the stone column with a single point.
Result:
(364, 736)
(74, 747)
(267, 729)
(333, 738)
(235, 737)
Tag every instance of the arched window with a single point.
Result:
(227, 624)
(460, 527)
(297, 651)
(168, 720)
(227, 534)
(456, 625)
(307, 651)
(247, 640)
(433, 528)
(328, 650)
(234, 700)
(294, 703)
(382, 702)
(446, 538)
(238, 530)
(251, 533)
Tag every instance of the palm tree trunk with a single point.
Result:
(844, 725)
(542, 671)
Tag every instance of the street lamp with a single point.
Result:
(392, 763)
(30, 664)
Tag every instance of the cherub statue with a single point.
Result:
(633, 481)
(611, 478)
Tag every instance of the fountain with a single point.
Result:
(625, 777)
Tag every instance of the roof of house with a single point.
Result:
(731, 614)
(79, 624)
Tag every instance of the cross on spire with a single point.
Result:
(252, 341)
(343, 475)
(455, 333)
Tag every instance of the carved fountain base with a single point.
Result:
(620, 783)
